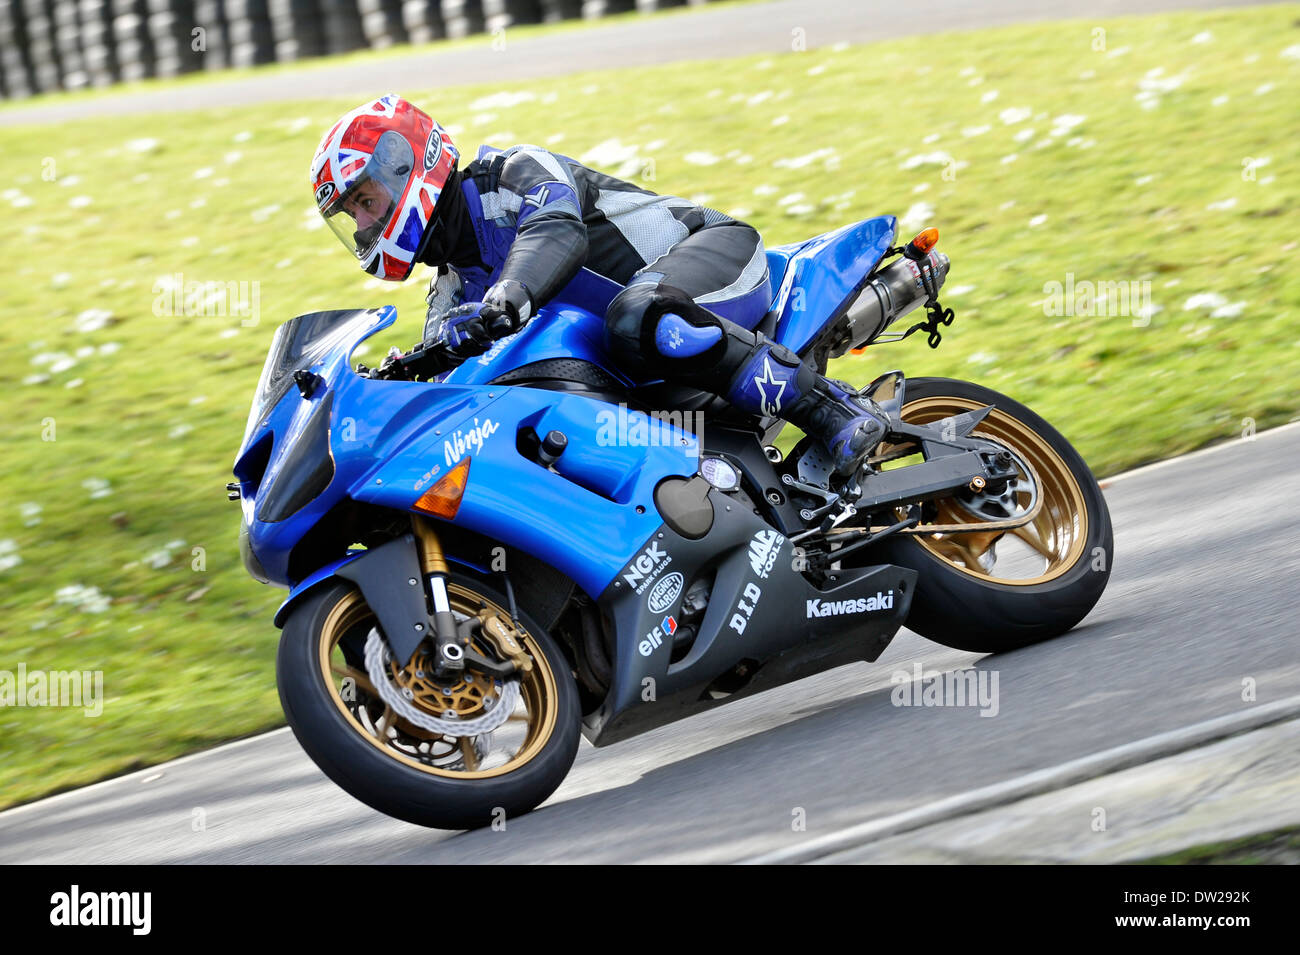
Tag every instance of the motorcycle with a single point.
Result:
(489, 558)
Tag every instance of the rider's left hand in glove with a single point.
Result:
(471, 328)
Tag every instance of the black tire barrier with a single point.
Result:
(423, 20)
(48, 45)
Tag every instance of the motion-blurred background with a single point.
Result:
(1118, 196)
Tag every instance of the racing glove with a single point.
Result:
(471, 328)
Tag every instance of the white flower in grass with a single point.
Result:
(1205, 36)
(1009, 159)
(180, 431)
(1218, 101)
(1206, 300)
(298, 125)
(1230, 310)
(989, 97)
(1291, 52)
(1015, 114)
(69, 181)
(98, 487)
(780, 120)
(86, 599)
(1037, 220)
(74, 383)
(972, 131)
(766, 189)
(242, 136)
(92, 320)
(700, 158)
(85, 351)
(798, 162)
(36, 379)
(1263, 88)
(1065, 122)
(958, 290)
(21, 201)
(9, 555)
(503, 100)
(143, 145)
(203, 173)
(229, 333)
(31, 512)
(1024, 135)
(110, 348)
(918, 215)
(62, 364)
(262, 213)
(790, 199)
(1223, 204)
(800, 209)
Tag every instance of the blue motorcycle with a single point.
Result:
(530, 544)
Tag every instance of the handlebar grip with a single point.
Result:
(500, 326)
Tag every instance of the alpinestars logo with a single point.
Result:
(646, 567)
(763, 550)
(770, 404)
(834, 608)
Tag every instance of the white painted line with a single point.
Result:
(1238, 443)
(1035, 783)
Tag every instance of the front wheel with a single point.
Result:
(398, 750)
(990, 591)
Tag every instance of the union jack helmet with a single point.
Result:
(383, 166)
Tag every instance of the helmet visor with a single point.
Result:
(363, 213)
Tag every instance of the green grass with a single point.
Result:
(1279, 847)
(187, 654)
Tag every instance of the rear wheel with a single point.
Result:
(988, 591)
(450, 754)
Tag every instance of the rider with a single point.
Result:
(512, 228)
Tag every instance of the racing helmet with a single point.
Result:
(377, 176)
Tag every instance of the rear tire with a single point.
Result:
(966, 608)
(389, 774)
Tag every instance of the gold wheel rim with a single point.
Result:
(1058, 534)
(538, 694)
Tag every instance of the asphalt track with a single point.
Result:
(707, 33)
(1201, 598)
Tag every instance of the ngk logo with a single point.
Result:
(646, 566)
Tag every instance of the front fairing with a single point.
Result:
(294, 438)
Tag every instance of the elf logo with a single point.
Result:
(655, 638)
(763, 550)
(646, 567)
(834, 608)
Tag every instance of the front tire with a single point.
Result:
(413, 774)
(960, 600)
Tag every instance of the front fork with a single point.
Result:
(452, 638)
(449, 648)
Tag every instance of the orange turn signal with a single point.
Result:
(443, 499)
(926, 240)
